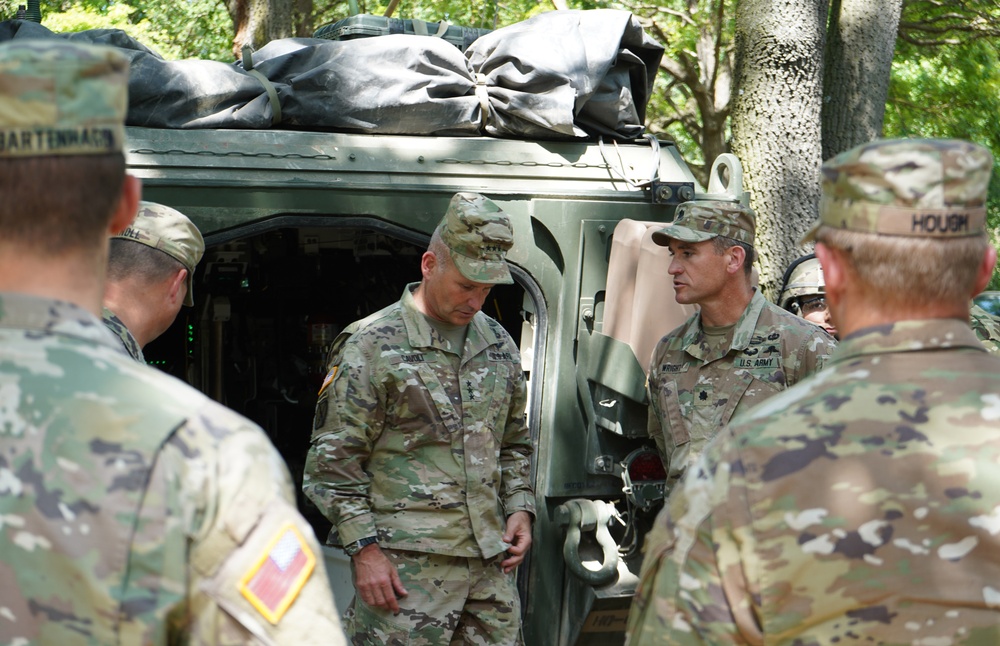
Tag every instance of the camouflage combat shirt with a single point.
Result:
(986, 326)
(694, 391)
(860, 506)
(136, 510)
(409, 451)
(117, 327)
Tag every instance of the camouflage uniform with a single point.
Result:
(137, 510)
(168, 231)
(118, 328)
(986, 326)
(133, 509)
(695, 389)
(431, 462)
(859, 505)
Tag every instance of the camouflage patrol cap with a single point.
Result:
(931, 188)
(702, 220)
(478, 235)
(805, 278)
(58, 97)
(170, 231)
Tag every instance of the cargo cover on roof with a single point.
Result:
(561, 74)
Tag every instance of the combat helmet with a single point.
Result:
(804, 276)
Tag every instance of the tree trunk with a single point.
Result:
(858, 61)
(776, 122)
(257, 22)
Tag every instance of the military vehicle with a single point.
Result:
(307, 232)
(309, 229)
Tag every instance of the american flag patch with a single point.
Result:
(273, 583)
(326, 382)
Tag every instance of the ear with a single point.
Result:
(178, 286)
(428, 263)
(128, 205)
(834, 272)
(986, 266)
(736, 257)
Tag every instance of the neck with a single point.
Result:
(856, 314)
(727, 308)
(128, 300)
(73, 276)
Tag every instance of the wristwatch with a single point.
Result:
(357, 545)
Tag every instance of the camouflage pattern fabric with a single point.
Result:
(170, 231)
(478, 235)
(859, 506)
(694, 391)
(406, 450)
(61, 98)
(136, 510)
(928, 188)
(451, 600)
(701, 220)
(117, 327)
(986, 326)
(805, 280)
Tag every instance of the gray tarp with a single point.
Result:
(560, 74)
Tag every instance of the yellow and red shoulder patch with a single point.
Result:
(280, 574)
(328, 380)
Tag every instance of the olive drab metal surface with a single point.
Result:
(307, 231)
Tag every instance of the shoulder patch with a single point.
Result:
(328, 380)
(282, 571)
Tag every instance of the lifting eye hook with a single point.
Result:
(579, 515)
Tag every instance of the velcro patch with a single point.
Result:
(328, 380)
(282, 571)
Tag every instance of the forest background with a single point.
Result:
(784, 84)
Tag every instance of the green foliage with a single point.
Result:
(178, 29)
(952, 92)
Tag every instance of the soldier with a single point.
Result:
(420, 454)
(803, 292)
(860, 505)
(737, 351)
(986, 326)
(150, 275)
(135, 510)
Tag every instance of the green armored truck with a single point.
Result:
(317, 188)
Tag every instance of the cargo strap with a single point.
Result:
(619, 169)
(484, 100)
(272, 94)
(420, 28)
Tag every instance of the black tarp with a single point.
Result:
(561, 74)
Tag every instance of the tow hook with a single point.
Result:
(580, 515)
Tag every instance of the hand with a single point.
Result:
(376, 580)
(518, 534)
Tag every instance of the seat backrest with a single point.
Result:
(639, 306)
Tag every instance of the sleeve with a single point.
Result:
(347, 423)
(692, 587)
(515, 454)
(813, 354)
(654, 423)
(257, 570)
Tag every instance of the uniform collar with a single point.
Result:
(53, 317)
(481, 332)
(907, 336)
(694, 335)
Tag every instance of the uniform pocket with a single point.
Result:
(499, 402)
(369, 627)
(672, 419)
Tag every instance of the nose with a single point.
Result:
(675, 267)
(476, 300)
